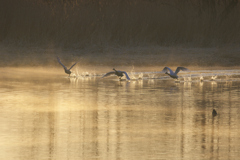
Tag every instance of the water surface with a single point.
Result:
(45, 116)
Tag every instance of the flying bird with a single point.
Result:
(117, 73)
(174, 74)
(65, 68)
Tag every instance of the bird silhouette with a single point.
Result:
(174, 74)
(65, 68)
(117, 73)
(214, 112)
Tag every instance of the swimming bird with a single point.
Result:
(117, 73)
(65, 68)
(174, 74)
(214, 112)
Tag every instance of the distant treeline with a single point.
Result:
(99, 23)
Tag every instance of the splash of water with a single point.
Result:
(133, 73)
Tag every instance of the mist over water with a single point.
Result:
(51, 116)
(44, 114)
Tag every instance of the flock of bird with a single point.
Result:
(120, 74)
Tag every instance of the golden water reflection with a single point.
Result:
(89, 118)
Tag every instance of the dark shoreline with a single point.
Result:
(128, 56)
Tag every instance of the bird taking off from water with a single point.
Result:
(117, 73)
(173, 74)
(65, 68)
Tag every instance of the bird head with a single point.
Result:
(114, 69)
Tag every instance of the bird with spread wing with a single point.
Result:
(174, 74)
(117, 73)
(68, 71)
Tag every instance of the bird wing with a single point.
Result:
(126, 75)
(181, 68)
(72, 65)
(167, 69)
(214, 77)
(108, 74)
(61, 63)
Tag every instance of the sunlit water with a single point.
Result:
(55, 117)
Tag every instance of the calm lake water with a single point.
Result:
(46, 116)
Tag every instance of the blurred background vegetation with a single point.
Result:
(88, 23)
(103, 24)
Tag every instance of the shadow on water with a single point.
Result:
(90, 118)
